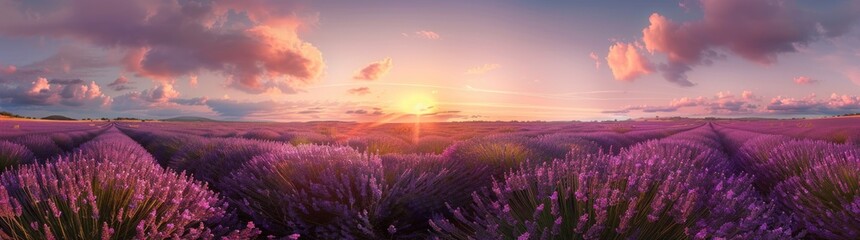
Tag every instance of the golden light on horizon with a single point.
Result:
(417, 104)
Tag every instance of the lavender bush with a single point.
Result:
(12, 155)
(773, 160)
(263, 134)
(557, 146)
(421, 186)
(640, 196)
(826, 198)
(224, 156)
(88, 199)
(164, 146)
(114, 146)
(42, 146)
(498, 154)
(332, 192)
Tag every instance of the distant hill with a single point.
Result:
(58, 117)
(189, 119)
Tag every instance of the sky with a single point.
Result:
(447, 60)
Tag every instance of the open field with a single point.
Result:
(684, 179)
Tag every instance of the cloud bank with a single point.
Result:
(254, 44)
(756, 30)
(57, 92)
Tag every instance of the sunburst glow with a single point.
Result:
(418, 104)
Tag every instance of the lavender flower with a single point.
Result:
(41, 145)
(113, 146)
(263, 134)
(12, 155)
(88, 199)
(339, 193)
(224, 156)
(773, 160)
(654, 190)
(332, 191)
(826, 198)
(499, 153)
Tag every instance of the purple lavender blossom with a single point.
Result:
(87, 199)
(12, 155)
(655, 190)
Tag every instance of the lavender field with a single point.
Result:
(684, 179)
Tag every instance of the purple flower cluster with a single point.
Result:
(79, 198)
(317, 191)
(557, 146)
(826, 197)
(42, 146)
(655, 190)
(496, 153)
(112, 145)
(565, 180)
(12, 155)
(775, 159)
(221, 157)
(263, 134)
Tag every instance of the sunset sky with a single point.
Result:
(444, 60)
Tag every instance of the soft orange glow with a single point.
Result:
(417, 104)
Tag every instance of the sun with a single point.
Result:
(417, 104)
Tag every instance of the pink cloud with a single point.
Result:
(756, 30)
(253, 43)
(375, 70)
(804, 80)
(162, 96)
(835, 104)
(192, 80)
(427, 34)
(10, 69)
(720, 103)
(483, 68)
(627, 63)
(43, 92)
(161, 93)
(750, 96)
(359, 91)
(593, 56)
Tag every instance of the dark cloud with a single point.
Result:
(120, 84)
(359, 112)
(66, 81)
(198, 101)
